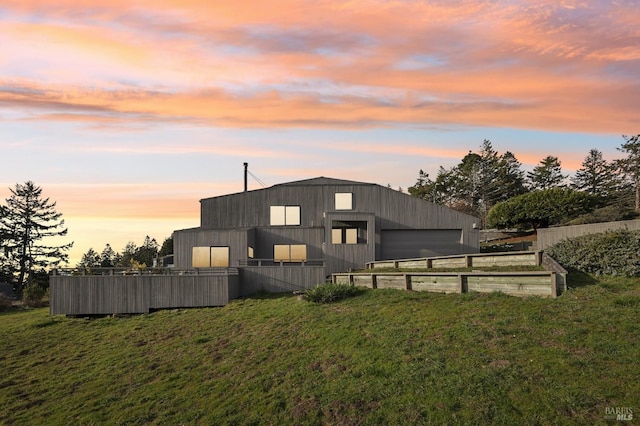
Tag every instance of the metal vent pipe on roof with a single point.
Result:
(246, 165)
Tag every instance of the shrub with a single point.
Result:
(330, 292)
(609, 253)
(540, 209)
(33, 295)
(605, 214)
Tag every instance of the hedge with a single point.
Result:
(608, 253)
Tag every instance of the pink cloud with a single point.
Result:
(223, 64)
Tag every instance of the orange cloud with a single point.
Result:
(353, 65)
(358, 64)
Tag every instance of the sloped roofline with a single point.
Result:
(317, 181)
(321, 181)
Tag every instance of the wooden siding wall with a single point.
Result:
(267, 237)
(383, 208)
(280, 279)
(185, 240)
(343, 257)
(394, 209)
(550, 236)
(541, 283)
(110, 294)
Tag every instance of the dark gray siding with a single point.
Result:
(414, 243)
(280, 279)
(247, 214)
(550, 236)
(395, 210)
(112, 294)
(266, 238)
(343, 257)
(185, 240)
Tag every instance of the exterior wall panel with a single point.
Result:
(185, 240)
(113, 294)
(280, 279)
(243, 220)
(550, 236)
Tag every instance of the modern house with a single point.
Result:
(271, 235)
(288, 237)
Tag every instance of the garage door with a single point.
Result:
(412, 243)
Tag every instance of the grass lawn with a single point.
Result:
(384, 357)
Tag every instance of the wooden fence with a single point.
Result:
(132, 294)
(534, 283)
(526, 258)
(548, 283)
(550, 236)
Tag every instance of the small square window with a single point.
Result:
(281, 253)
(200, 257)
(219, 257)
(344, 201)
(298, 252)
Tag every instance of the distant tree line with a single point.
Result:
(495, 188)
(131, 255)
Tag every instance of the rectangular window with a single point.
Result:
(298, 253)
(348, 232)
(277, 215)
(344, 201)
(281, 253)
(336, 236)
(292, 215)
(219, 257)
(351, 236)
(250, 252)
(290, 253)
(210, 257)
(285, 215)
(201, 257)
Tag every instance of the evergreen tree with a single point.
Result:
(108, 257)
(167, 247)
(467, 182)
(145, 254)
(596, 176)
(27, 222)
(439, 191)
(630, 166)
(90, 259)
(128, 254)
(7, 267)
(511, 177)
(547, 175)
(476, 184)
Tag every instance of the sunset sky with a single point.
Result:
(128, 112)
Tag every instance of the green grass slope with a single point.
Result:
(384, 357)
